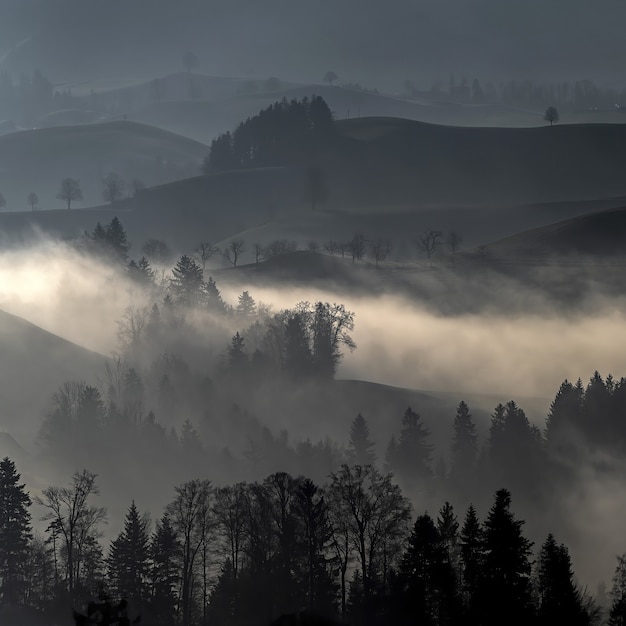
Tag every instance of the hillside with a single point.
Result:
(34, 364)
(37, 160)
(600, 235)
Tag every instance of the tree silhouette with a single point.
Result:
(505, 585)
(187, 281)
(234, 250)
(113, 188)
(190, 61)
(360, 448)
(330, 77)
(551, 115)
(70, 191)
(15, 532)
(128, 560)
(464, 448)
(32, 200)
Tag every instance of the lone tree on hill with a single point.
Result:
(32, 200)
(234, 250)
(330, 77)
(70, 191)
(429, 242)
(551, 115)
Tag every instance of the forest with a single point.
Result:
(256, 524)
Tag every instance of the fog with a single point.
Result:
(363, 41)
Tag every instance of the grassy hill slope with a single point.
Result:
(34, 364)
(37, 160)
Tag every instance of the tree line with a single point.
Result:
(240, 553)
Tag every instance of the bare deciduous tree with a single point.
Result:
(330, 77)
(190, 61)
(70, 191)
(357, 247)
(156, 251)
(73, 519)
(380, 249)
(259, 253)
(32, 200)
(429, 242)
(551, 115)
(234, 250)
(203, 252)
(113, 188)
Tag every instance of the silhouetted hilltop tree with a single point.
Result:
(505, 590)
(15, 533)
(141, 272)
(551, 115)
(246, 306)
(560, 600)
(286, 133)
(360, 447)
(617, 614)
(128, 560)
(564, 420)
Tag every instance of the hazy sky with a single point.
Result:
(376, 43)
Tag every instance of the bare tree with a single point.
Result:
(312, 246)
(113, 188)
(32, 200)
(234, 250)
(551, 115)
(131, 326)
(380, 249)
(368, 511)
(73, 519)
(454, 241)
(189, 512)
(70, 191)
(357, 247)
(156, 251)
(429, 242)
(259, 253)
(331, 247)
(203, 252)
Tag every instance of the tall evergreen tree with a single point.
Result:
(505, 592)
(412, 456)
(360, 448)
(116, 240)
(187, 283)
(464, 449)
(471, 541)
(128, 560)
(560, 601)
(165, 550)
(15, 533)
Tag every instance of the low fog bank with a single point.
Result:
(243, 429)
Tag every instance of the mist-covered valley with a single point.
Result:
(316, 324)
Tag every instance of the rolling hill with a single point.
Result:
(37, 160)
(34, 364)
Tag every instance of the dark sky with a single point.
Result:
(375, 42)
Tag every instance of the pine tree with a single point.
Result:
(128, 560)
(505, 584)
(237, 357)
(471, 541)
(246, 306)
(116, 240)
(360, 448)
(411, 459)
(15, 532)
(186, 283)
(165, 551)
(464, 449)
(560, 601)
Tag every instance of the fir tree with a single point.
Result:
(411, 459)
(186, 283)
(15, 533)
(360, 448)
(128, 560)
(464, 449)
(505, 585)
(165, 551)
(471, 541)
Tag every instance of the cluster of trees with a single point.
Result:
(286, 133)
(581, 94)
(248, 552)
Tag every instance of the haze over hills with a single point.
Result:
(37, 160)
